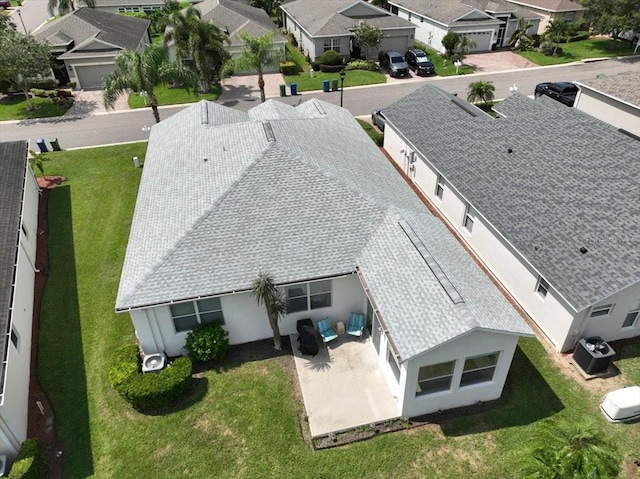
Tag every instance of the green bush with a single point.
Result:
(579, 36)
(71, 84)
(30, 463)
(368, 65)
(330, 57)
(207, 342)
(315, 66)
(288, 68)
(45, 83)
(331, 68)
(151, 391)
(38, 92)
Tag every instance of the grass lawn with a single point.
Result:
(444, 68)
(15, 108)
(174, 96)
(575, 51)
(243, 419)
(352, 78)
(629, 362)
(372, 131)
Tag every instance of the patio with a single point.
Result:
(342, 386)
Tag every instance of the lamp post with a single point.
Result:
(513, 88)
(342, 75)
(21, 21)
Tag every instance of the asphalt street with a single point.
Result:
(126, 126)
(30, 15)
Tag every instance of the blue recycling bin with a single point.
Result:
(42, 145)
(325, 86)
(294, 89)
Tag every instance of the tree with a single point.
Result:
(160, 17)
(66, 6)
(258, 53)
(564, 449)
(613, 17)
(521, 36)
(36, 160)
(481, 91)
(367, 36)
(266, 293)
(465, 44)
(269, 6)
(556, 29)
(22, 59)
(450, 43)
(143, 71)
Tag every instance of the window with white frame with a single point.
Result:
(479, 369)
(391, 359)
(15, 339)
(630, 319)
(542, 288)
(306, 296)
(186, 315)
(128, 9)
(440, 187)
(435, 378)
(601, 311)
(569, 16)
(469, 218)
(332, 44)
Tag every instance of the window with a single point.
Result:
(440, 186)
(601, 311)
(15, 339)
(128, 9)
(187, 315)
(332, 44)
(434, 378)
(469, 218)
(303, 297)
(542, 288)
(631, 318)
(569, 16)
(479, 369)
(391, 359)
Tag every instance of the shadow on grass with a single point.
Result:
(61, 368)
(527, 398)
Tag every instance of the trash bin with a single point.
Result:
(42, 145)
(334, 84)
(294, 89)
(55, 146)
(325, 85)
(283, 90)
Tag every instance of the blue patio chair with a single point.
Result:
(356, 324)
(326, 330)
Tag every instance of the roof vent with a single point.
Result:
(583, 250)
(509, 150)
(205, 159)
(268, 131)
(204, 113)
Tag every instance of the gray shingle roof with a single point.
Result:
(84, 23)
(571, 181)
(13, 166)
(301, 192)
(324, 18)
(625, 87)
(551, 5)
(127, 3)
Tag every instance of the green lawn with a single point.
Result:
(584, 49)
(352, 78)
(174, 96)
(15, 108)
(242, 420)
(444, 68)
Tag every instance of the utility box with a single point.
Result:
(42, 145)
(593, 355)
(622, 405)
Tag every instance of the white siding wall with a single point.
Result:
(244, 319)
(13, 412)
(610, 327)
(427, 31)
(609, 110)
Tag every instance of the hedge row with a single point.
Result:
(30, 463)
(152, 391)
(288, 68)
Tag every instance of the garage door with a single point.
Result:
(396, 44)
(482, 39)
(92, 76)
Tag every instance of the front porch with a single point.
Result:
(342, 386)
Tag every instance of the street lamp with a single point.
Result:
(21, 21)
(342, 75)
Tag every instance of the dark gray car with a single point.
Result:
(394, 63)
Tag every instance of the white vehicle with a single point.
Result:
(622, 404)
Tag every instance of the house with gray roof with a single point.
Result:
(304, 194)
(126, 6)
(546, 196)
(329, 25)
(87, 40)
(490, 23)
(569, 11)
(18, 234)
(614, 99)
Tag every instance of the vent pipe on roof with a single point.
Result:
(583, 250)
(268, 131)
(204, 114)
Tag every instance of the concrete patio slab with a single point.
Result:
(342, 386)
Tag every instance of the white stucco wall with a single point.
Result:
(607, 109)
(244, 319)
(610, 327)
(13, 412)
(427, 31)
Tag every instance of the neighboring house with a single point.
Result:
(18, 234)
(568, 10)
(304, 194)
(545, 195)
(86, 42)
(329, 25)
(614, 99)
(236, 18)
(127, 6)
(490, 23)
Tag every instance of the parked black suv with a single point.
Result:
(394, 63)
(419, 62)
(563, 92)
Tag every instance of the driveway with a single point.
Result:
(245, 87)
(497, 61)
(89, 102)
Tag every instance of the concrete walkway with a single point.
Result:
(245, 87)
(342, 386)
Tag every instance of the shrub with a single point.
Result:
(331, 68)
(579, 36)
(30, 463)
(315, 66)
(293, 40)
(71, 84)
(45, 83)
(331, 57)
(65, 93)
(149, 391)
(38, 92)
(368, 65)
(207, 342)
(288, 68)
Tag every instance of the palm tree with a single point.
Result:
(265, 291)
(564, 449)
(66, 6)
(520, 33)
(555, 30)
(481, 91)
(465, 44)
(143, 71)
(179, 27)
(258, 54)
(36, 160)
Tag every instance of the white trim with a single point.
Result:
(600, 312)
(635, 320)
